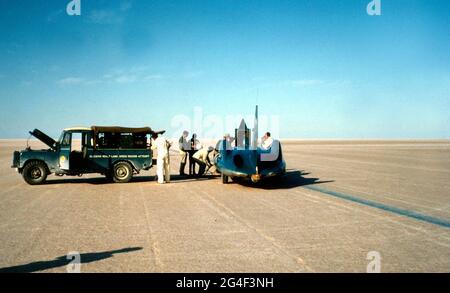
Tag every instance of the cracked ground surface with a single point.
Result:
(288, 225)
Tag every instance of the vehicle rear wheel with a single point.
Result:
(122, 173)
(35, 173)
(224, 179)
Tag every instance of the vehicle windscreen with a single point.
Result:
(61, 137)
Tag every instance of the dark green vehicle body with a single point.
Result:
(104, 150)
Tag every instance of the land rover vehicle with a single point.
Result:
(116, 152)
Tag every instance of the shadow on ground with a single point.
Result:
(104, 180)
(292, 179)
(64, 260)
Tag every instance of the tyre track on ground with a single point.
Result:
(272, 241)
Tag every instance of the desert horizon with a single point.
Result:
(337, 202)
(225, 137)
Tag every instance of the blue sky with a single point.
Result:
(325, 68)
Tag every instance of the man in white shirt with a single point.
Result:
(201, 157)
(267, 141)
(160, 144)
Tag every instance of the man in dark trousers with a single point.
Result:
(194, 146)
(184, 147)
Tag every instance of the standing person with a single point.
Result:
(194, 146)
(184, 147)
(201, 157)
(225, 143)
(163, 161)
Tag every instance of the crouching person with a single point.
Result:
(163, 160)
(201, 157)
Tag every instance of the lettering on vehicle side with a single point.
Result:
(118, 156)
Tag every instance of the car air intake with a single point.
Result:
(238, 161)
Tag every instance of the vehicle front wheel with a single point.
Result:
(122, 173)
(35, 173)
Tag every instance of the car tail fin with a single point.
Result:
(255, 130)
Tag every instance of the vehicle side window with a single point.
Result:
(124, 140)
(107, 140)
(100, 141)
(66, 139)
(139, 141)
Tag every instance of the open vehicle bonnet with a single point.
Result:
(44, 138)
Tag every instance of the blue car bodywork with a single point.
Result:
(246, 159)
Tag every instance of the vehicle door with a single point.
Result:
(64, 151)
(89, 160)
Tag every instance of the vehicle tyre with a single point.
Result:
(122, 172)
(35, 173)
(224, 179)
